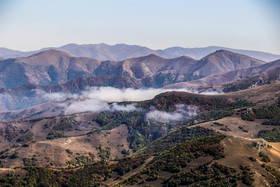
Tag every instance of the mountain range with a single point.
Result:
(121, 52)
(57, 67)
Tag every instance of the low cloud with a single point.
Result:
(162, 116)
(97, 99)
(94, 99)
(125, 108)
(90, 105)
(182, 112)
(93, 105)
(110, 94)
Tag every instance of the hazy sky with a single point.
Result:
(244, 24)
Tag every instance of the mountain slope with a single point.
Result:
(47, 67)
(223, 61)
(229, 76)
(266, 77)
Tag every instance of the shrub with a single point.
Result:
(69, 151)
(125, 152)
(264, 157)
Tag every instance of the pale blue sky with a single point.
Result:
(244, 24)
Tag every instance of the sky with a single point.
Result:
(243, 24)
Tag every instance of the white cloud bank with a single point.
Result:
(182, 112)
(162, 116)
(94, 99)
(110, 94)
(98, 99)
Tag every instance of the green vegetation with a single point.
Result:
(80, 161)
(49, 124)
(226, 128)
(55, 134)
(28, 136)
(109, 120)
(247, 176)
(210, 116)
(125, 152)
(264, 157)
(174, 161)
(270, 135)
(104, 153)
(252, 159)
(29, 161)
(1, 163)
(58, 130)
(179, 136)
(168, 102)
(236, 87)
(271, 113)
(137, 140)
(173, 144)
(178, 157)
(14, 155)
(69, 151)
(42, 176)
(89, 175)
(274, 122)
(247, 115)
(243, 129)
(218, 124)
(274, 172)
(141, 130)
(205, 175)
(127, 164)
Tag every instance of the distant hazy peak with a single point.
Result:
(227, 53)
(53, 52)
(184, 58)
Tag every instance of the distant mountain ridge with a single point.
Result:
(58, 67)
(120, 52)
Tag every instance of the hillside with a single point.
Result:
(133, 127)
(98, 144)
(198, 162)
(223, 61)
(48, 67)
(268, 69)
(263, 78)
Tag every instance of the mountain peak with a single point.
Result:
(223, 61)
(223, 51)
(224, 54)
(152, 55)
(46, 58)
(53, 52)
(184, 58)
